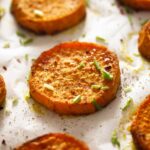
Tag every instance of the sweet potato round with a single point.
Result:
(140, 127)
(2, 90)
(48, 16)
(55, 141)
(138, 4)
(59, 67)
(144, 41)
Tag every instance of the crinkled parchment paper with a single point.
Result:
(22, 119)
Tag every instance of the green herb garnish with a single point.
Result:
(129, 11)
(105, 74)
(26, 57)
(99, 87)
(76, 100)
(136, 54)
(127, 89)
(20, 34)
(96, 105)
(114, 139)
(97, 66)
(96, 87)
(6, 45)
(104, 88)
(25, 42)
(81, 65)
(127, 104)
(27, 96)
(15, 102)
(100, 39)
(83, 35)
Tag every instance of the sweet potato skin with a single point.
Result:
(144, 41)
(69, 81)
(2, 90)
(54, 141)
(48, 24)
(140, 127)
(138, 4)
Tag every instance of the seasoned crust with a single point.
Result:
(55, 141)
(138, 4)
(144, 41)
(59, 68)
(2, 90)
(45, 16)
(140, 127)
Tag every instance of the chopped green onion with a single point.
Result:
(97, 66)
(2, 12)
(129, 11)
(96, 105)
(6, 45)
(81, 65)
(127, 89)
(20, 34)
(26, 57)
(83, 35)
(26, 41)
(127, 104)
(77, 99)
(124, 136)
(130, 19)
(37, 109)
(136, 54)
(104, 88)
(113, 4)
(27, 96)
(105, 74)
(99, 87)
(100, 39)
(49, 87)
(33, 59)
(15, 102)
(114, 139)
(38, 13)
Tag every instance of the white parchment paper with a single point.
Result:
(26, 119)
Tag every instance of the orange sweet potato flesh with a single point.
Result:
(55, 141)
(48, 16)
(138, 4)
(58, 67)
(140, 127)
(144, 41)
(2, 90)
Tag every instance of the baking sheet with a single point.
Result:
(22, 119)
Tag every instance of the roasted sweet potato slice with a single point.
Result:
(75, 78)
(138, 4)
(56, 141)
(2, 90)
(140, 128)
(48, 16)
(144, 41)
